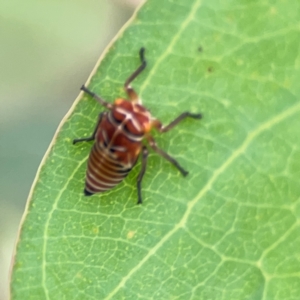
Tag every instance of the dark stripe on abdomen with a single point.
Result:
(103, 173)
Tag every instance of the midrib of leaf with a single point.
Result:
(167, 51)
(259, 263)
(235, 154)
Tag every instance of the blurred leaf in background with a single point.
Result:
(48, 49)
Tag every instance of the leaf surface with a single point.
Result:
(230, 230)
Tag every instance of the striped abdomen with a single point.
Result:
(113, 155)
(118, 139)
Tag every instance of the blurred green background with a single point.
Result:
(48, 49)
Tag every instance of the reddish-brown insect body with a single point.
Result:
(119, 137)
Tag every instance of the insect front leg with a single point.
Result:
(92, 137)
(133, 96)
(96, 97)
(144, 157)
(157, 124)
(165, 155)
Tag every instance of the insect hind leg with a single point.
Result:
(166, 156)
(144, 157)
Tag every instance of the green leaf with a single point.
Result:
(230, 230)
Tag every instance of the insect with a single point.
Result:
(120, 136)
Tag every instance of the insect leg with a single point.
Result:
(92, 137)
(96, 97)
(129, 90)
(165, 155)
(181, 117)
(144, 158)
